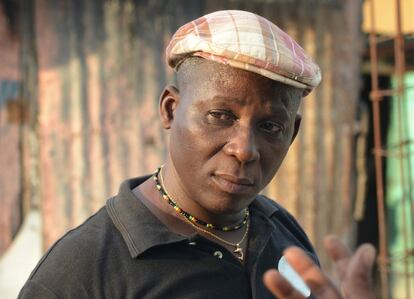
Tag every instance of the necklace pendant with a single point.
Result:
(239, 252)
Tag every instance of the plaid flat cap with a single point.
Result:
(247, 41)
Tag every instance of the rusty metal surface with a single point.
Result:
(101, 70)
(10, 116)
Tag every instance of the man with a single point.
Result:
(197, 227)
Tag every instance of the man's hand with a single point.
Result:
(354, 272)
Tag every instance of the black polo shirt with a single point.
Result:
(124, 251)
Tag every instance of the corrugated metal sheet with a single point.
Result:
(99, 82)
(10, 117)
(101, 69)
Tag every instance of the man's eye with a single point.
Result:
(221, 116)
(271, 128)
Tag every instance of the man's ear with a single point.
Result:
(169, 99)
(298, 119)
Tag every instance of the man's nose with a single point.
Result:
(242, 145)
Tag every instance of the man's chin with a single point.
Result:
(229, 205)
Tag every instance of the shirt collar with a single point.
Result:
(141, 230)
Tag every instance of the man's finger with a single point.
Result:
(363, 260)
(358, 281)
(336, 248)
(320, 285)
(339, 253)
(279, 286)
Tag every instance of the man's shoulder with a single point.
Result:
(74, 259)
(80, 245)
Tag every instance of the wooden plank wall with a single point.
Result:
(101, 69)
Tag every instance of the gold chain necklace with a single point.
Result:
(238, 250)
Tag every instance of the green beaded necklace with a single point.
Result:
(190, 217)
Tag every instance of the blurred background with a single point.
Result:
(79, 88)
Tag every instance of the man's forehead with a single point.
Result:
(196, 71)
(204, 82)
(245, 41)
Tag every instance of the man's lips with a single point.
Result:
(232, 184)
(234, 179)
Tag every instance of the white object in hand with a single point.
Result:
(294, 279)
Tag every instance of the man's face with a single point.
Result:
(230, 131)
